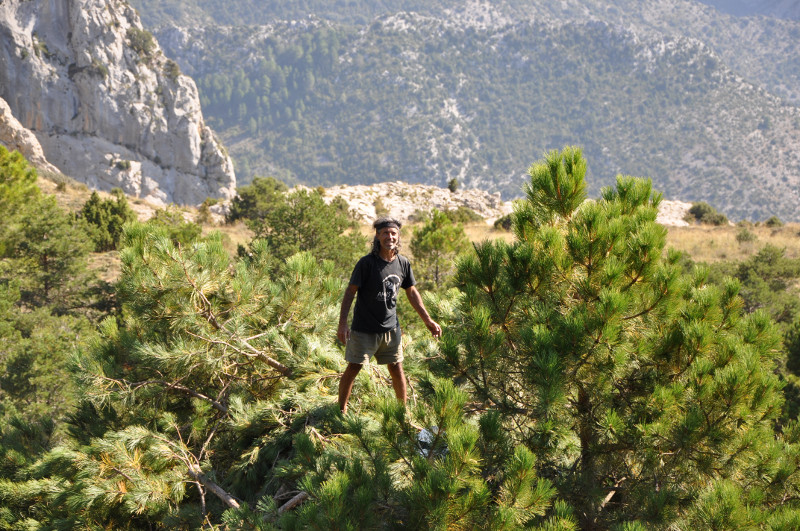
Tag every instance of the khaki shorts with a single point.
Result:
(386, 347)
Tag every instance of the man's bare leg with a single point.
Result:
(398, 380)
(346, 384)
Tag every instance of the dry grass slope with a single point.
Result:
(701, 242)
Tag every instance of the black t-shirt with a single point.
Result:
(376, 300)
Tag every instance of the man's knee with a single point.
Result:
(395, 368)
(352, 369)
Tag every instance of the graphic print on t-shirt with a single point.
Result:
(389, 293)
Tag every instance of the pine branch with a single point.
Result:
(254, 352)
(217, 405)
(294, 502)
(196, 473)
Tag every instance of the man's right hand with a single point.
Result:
(343, 333)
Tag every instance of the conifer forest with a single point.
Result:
(588, 377)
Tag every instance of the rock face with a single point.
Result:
(401, 200)
(17, 138)
(106, 106)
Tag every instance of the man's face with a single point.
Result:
(388, 238)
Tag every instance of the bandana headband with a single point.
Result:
(387, 223)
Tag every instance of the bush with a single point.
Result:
(380, 208)
(706, 214)
(106, 218)
(172, 69)
(745, 235)
(774, 222)
(452, 184)
(463, 214)
(180, 230)
(503, 223)
(254, 200)
(142, 41)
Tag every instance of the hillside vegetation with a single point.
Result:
(425, 99)
(587, 377)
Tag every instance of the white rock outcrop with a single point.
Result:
(106, 106)
(15, 137)
(401, 200)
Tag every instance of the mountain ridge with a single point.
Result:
(426, 101)
(106, 107)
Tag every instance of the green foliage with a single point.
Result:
(706, 214)
(45, 294)
(34, 377)
(744, 235)
(190, 398)
(257, 199)
(180, 230)
(17, 188)
(638, 388)
(172, 69)
(380, 209)
(774, 222)
(141, 40)
(445, 476)
(768, 283)
(503, 222)
(462, 214)
(303, 221)
(452, 184)
(106, 218)
(47, 251)
(435, 246)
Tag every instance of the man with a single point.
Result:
(375, 328)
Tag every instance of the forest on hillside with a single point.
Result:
(425, 100)
(701, 102)
(587, 378)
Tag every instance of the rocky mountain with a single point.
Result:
(85, 80)
(788, 9)
(403, 201)
(758, 47)
(424, 99)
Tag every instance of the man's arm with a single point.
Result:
(416, 302)
(343, 333)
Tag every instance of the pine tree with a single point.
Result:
(303, 221)
(255, 200)
(17, 182)
(435, 247)
(188, 399)
(47, 251)
(646, 395)
(106, 218)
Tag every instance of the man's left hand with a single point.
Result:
(436, 330)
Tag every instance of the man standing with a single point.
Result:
(375, 329)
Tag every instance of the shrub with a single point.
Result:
(463, 214)
(106, 218)
(503, 222)
(180, 230)
(706, 214)
(745, 235)
(172, 69)
(380, 208)
(254, 200)
(774, 222)
(142, 41)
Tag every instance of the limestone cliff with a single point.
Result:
(108, 108)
